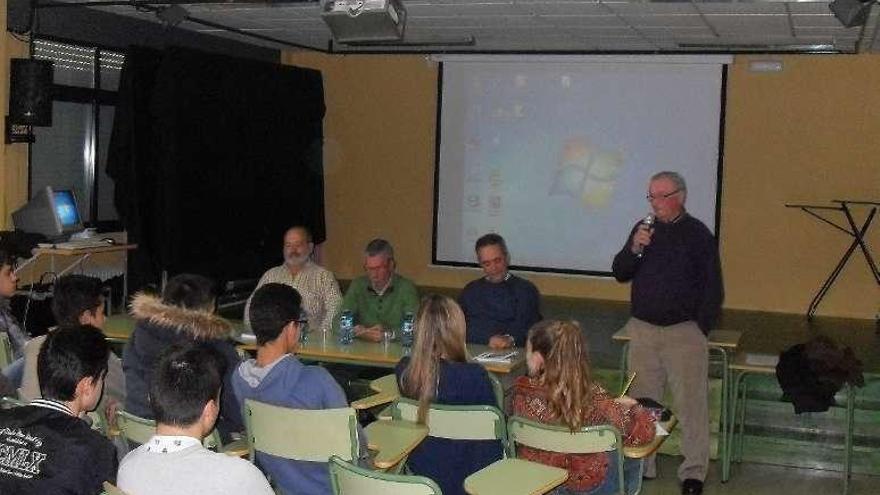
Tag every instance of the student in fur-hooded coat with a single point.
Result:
(185, 312)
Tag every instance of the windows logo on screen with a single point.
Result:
(65, 207)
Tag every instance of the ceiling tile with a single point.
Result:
(659, 8)
(683, 20)
(480, 21)
(565, 7)
(667, 32)
(585, 20)
(563, 25)
(809, 7)
(837, 33)
(754, 24)
(741, 8)
(477, 7)
(816, 20)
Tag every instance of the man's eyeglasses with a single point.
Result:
(303, 318)
(651, 197)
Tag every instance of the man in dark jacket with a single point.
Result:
(44, 446)
(673, 263)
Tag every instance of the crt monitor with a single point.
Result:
(49, 212)
(66, 210)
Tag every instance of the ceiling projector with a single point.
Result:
(354, 21)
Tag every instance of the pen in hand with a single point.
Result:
(628, 383)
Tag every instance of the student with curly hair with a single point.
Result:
(560, 390)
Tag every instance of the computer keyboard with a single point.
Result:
(78, 244)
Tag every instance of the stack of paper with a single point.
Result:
(495, 356)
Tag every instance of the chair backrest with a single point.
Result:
(10, 402)
(456, 422)
(552, 438)
(6, 354)
(301, 434)
(139, 430)
(348, 479)
(99, 421)
(498, 390)
(134, 428)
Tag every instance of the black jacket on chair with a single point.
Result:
(811, 373)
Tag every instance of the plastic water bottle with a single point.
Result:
(406, 329)
(346, 327)
(304, 327)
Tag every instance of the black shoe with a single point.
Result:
(691, 486)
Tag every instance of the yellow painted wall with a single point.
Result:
(805, 134)
(13, 157)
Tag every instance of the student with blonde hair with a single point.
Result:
(560, 390)
(438, 372)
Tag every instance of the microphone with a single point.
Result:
(648, 221)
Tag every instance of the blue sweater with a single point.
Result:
(290, 383)
(449, 462)
(508, 307)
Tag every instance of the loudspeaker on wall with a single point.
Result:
(30, 92)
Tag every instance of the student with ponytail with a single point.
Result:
(438, 372)
(559, 390)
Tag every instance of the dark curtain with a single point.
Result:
(213, 158)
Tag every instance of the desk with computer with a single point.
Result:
(68, 246)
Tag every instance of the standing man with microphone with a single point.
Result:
(676, 294)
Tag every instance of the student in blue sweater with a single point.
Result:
(438, 372)
(277, 377)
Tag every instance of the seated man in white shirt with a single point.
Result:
(315, 284)
(185, 395)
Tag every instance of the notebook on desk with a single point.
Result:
(495, 356)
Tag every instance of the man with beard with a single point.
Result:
(317, 285)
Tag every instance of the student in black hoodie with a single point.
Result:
(45, 447)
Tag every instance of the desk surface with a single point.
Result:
(514, 477)
(725, 339)
(741, 362)
(381, 355)
(320, 347)
(649, 448)
(393, 440)
(84, 251)
(386, 392)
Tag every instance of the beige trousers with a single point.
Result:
(677, 356)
